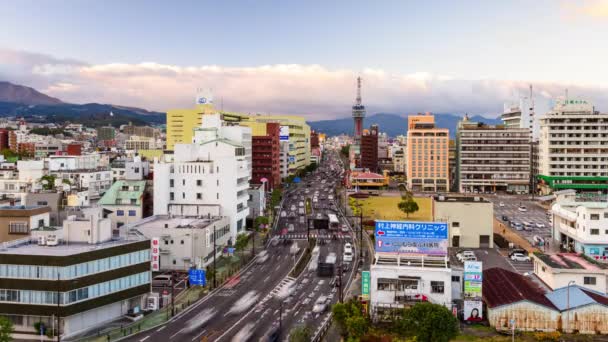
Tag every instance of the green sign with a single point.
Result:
(365, 281)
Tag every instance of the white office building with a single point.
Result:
(399, 281)
(212, 171)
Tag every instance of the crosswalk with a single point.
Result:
(286, 282)
(295, 236)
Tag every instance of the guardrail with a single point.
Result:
(323, 328)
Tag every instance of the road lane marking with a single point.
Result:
(161, 328)
(199, 335)
(177, 333)
(145, 338)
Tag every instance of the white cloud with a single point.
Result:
(310, 90)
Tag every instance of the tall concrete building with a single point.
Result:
(572, 149)
(266, 150)
(182, 122)
(209, 176)
(427, 154)
(492, 158)
(369, 149)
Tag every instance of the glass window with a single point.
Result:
(120, 213)
(132, 213)
(437, 287)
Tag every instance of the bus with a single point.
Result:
(333, 221)
(326, 267)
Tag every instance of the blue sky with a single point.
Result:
(557, 43)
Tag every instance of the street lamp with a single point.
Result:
(571, 282)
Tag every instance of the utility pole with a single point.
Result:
(340, 283)
(58, 307)
(214, 255)
(360, 232)
(253, 227)
(172, 293)
(281, 316)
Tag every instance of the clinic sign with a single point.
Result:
(284, 133)
(365, 281)
(155, 254)
(406, 237)
(473, 279)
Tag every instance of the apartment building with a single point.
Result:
(182, 122)
(573, 148)
(125, 200)
(400, 160)
(82, 172)
(212, 172)
(136, 143)
(581, 227)
(16, 222)
(427, 155)
(266, 150)
(492, 158)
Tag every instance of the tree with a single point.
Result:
(427, 322)
(408, 206)
(259, 221)
(349, 317)
(344, 150)
(48, 182)
(6, 329)
(241, 242)
(300, 334)
(275, 197)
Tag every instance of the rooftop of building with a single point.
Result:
(574, 296)
(22, 210)
(167, 221)
(115, 194)
(366, 175)
(571, 205)
(571, 261)
(460, 199)
(29, 246)
(503, 287)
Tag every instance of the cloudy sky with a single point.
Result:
(302, 57)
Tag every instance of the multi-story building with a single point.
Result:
(383, 145)
(106, 133)
(400, 160)
(142, 131)
(295, 132)
(4, 133)
(182, 122)
(266, 150)
(521, 114)
(186, 241)
(212, 173)
(492, 158)
(427, 155)
(572, 148)
(136, 143)
(581, 227)
(126, 201)
(399, 281)
(16, 222)
(369, 149)
(81, 281)
(55, 200)
(470, 220)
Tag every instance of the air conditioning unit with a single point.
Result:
(52, 240)
(41, 240)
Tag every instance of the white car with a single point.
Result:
(245, 333)
(244, 303)
(520, 257)
(262, 257)
(540, 225)
(348, 246)
(344, 228)
(468, 258)
(320, 305)
(348, 255)
(522, 208)
(293, 208)
(200, 319)
(301, 204)
(501, 204)
(463, 254)
(331, 197)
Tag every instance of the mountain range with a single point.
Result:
(34, 106)
(392, 124)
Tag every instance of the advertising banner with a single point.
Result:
(405, 237)
(473, 310)
(284, 133)
(155, 254)
(473, 278)
(365, 281)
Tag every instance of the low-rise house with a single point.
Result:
(557, 270)
(126, 202)
(16, 222)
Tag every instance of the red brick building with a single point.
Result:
(74, 149)
(369, 149)
(4, 133)
(265, 156)
(314, 140)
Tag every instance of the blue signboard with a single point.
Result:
(292, 159)
(197, 277)
(284, 133)
(406, 237)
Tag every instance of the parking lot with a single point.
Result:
(494, 258)
(534, 214)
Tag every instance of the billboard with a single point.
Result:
(155, 254)
(473, 278)
(473, 310)
(365, 281)
(284, 133)
(197, 277)
(405, 237)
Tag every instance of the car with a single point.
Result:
(462, 254)
(245, 333)
(539, 225)
(262, 257)
(301, 204)
(501, 204)
(518, 226)
(293, 208)
(468, 258)
(348, 246)
(518, 250)
(273, 335)
(522, 208)
(274, 241)
(344, 228)
(505, 218)
(527, 225)
(320, 305)
(200, 319)
(162, 280)
(244, 303)
(520, 257)
(331, 197)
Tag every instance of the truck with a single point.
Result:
(326, 267)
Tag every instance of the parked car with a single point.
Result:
(518, 226)
(462, 254)
(162, 280)
(505, 218)
(522, 208)
(518, 250)
(520, 257)
(527, 225)
(501, 204)
(540, 225)
(468, 258)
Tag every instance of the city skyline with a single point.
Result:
(304, 59)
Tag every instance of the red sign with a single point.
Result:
(155, 255)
